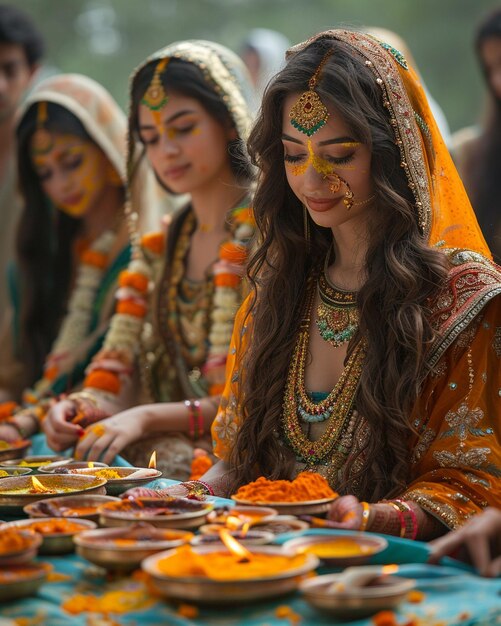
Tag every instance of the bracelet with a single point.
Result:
(195, 487)
(412, 515)
(365, 516)
(403, 525)
(195, 419)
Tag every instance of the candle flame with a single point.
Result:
(233, 522)
(236, 548)
(37, 485)
(389, 569)
(245, 529)
(90, 464)
(153, 460)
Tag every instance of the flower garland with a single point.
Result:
(74, 328)
(115, 360)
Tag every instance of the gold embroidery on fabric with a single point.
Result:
(496, 342)
(423, 444)
(445, 512)
(440, 370)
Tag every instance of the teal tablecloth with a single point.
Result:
(452, 596)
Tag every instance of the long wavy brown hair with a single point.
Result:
(403, 272)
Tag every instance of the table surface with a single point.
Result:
(452, 595)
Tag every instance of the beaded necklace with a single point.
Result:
(335, 409)
(337, 312)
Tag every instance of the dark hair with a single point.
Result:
(481, 170)
(45, 241)
(16, 27)
(402, 270)
(187, 79)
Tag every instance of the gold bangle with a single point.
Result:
(365, 516)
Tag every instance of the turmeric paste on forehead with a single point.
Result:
(305, 487)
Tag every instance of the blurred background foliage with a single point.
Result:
(106, 39)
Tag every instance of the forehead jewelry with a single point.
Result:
(155, 97)
(308, 114)
(43, 141)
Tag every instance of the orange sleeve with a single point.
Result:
(228, 418)
(456, 462)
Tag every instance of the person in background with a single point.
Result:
(477, 151)
(72, 243)
(21, 50)
(479, 537)
(263, 52)
(161, 371)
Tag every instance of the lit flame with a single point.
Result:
(236, 548)
(153, 460)
(389, 569)
(245, 529)
(233, 522)
(37, 485)
(90, 464)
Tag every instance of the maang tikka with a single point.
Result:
(155, 97)
(309, 113)
(43, 141)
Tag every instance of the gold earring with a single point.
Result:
(43, 141)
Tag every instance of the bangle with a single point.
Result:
(403, 525)
(195, 419)
(412, 515)
(195, 486)
(365, 516)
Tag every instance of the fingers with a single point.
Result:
(341, 507)
(60, 432)
(100, 442)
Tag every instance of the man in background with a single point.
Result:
(21, 50)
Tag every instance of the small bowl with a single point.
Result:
(15, 494)
(54, 542)
(14, 471)
(109, 547)
(203, 590)
(33, 462)
(65, 466)
(15, 450)
(116, 486)
(310, 507)
(347, 548)
(22, 580)
(160, 512)
(77, 507)
(355, 602)
(19, 555)
(251, 514)
(282, 524)
(253, 537)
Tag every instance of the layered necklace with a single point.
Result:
(337, 313)
(335, 410)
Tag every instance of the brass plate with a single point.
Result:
(310, 507)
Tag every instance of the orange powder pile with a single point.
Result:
(306, 486)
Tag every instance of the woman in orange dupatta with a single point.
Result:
(372, 279)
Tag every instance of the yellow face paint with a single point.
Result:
(322, 166)
(72, 174)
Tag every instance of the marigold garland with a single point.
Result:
(103, 380)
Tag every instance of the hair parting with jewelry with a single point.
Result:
(402, 273)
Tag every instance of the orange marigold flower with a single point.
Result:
(415, 596)
(129, 307)
(94, 258)
(216, 389)
(137, 281)
(104, 380)
(199, 466)
(285, 612)
(7, 409)
(154, 242)
(187, 610)
(245, 214)
(233, 252)
(385, 618)
(227, 280)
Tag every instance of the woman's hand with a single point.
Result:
(110, 436)
(346, 512)
(481, 536)
(60, 432)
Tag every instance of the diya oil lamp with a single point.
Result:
(34, 462)
(227, 575)
(68, 465)
(358, 591)
(57, 533)
(237, 528)
(119, 479)
(77, 507)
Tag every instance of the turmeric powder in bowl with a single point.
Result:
(306, 487)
